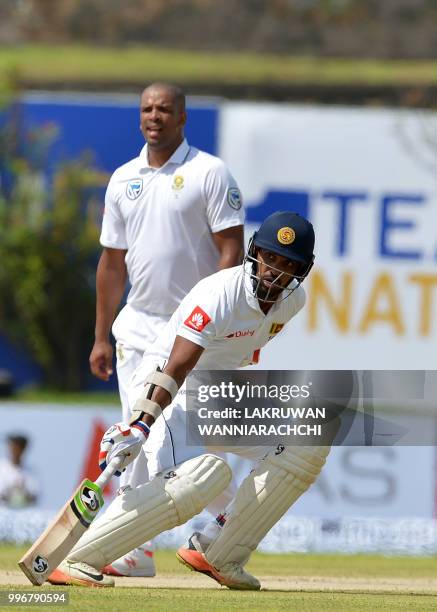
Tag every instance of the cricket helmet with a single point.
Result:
(287, 234)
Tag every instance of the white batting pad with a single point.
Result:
(263, 497)
(142, 513)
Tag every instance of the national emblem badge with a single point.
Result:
(178, 182)
(286, 235)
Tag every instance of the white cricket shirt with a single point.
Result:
(222, 315)
(16, 482)
(165, 218)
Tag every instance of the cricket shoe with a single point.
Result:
(139, 562)
(77, 573)
(231, 575)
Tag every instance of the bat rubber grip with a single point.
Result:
(109, 471)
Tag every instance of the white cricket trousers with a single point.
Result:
(134, 333)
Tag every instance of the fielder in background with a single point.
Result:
(261, 295)
(18, 486)
(173, 215)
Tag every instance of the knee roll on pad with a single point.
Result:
(142, 513)
(263, 497)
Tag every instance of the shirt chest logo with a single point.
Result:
(275, 329)
(241, 333)
(178, 183)
(134, 189)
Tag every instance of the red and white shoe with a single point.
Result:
(139, 562)
(231, 575)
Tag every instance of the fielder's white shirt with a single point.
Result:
(16, 482)
(165, 217)
(222, 315)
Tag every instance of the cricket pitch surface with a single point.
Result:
(270, 583)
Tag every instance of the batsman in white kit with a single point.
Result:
(260, 296)
(173, 215)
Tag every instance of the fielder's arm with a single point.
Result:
(230, 245)
(110, 283)
(183, 357)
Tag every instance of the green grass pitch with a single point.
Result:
(310, 582)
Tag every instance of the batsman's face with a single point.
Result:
(162, 119)
(275, 273)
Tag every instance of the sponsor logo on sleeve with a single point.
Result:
(134, 189)
(235, 200)
(197, 320)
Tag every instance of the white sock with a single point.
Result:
(210, 531)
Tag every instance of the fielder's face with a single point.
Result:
(275, 273)
(162, 118)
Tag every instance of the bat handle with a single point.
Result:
(109, 471)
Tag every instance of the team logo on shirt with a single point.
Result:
(276, 328)
(197, 320)
(178, 182)
(234, 198)
(286, 235)
(134, 189)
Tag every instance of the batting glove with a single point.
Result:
(122, 440)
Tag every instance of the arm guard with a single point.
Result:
(144, 405)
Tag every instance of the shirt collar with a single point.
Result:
(178, 156)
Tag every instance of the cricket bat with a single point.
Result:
(54, 544)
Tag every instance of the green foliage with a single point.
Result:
(133, 67)
(48, 245)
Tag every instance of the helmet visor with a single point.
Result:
(273, 284)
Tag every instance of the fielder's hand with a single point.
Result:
(101, 360)
(122, 440)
